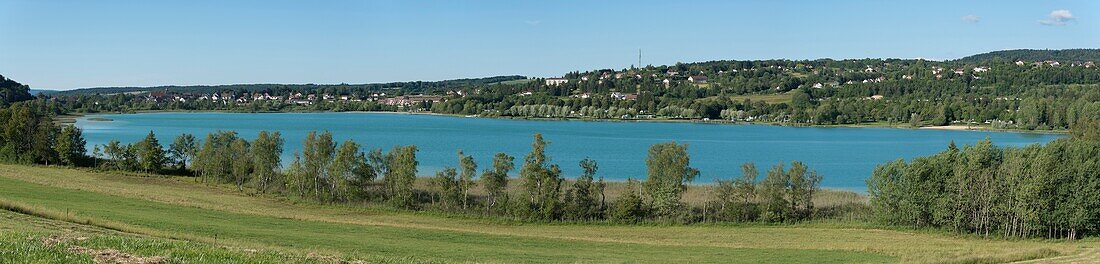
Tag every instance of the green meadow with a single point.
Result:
(67, 215)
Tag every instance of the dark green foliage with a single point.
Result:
(629, 208)
(1078, 55)
(12, 91)
(1037, 191)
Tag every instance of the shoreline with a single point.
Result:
(72, 117)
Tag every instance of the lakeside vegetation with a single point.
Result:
(245, 222)
(1050, 191)
(528, 212)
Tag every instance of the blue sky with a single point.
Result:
(73, 44)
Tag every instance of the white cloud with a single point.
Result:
(971, 18)
(1058, 18)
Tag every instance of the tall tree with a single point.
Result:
(317, 154)
(183, 150)
(773, 195)
(466, 179)
(70, 146)
(585, 202)
(150, 154)
(347, 170)
(266, 152)
(496, 180)
(668, 174)
(400, 176)
(239, 153)
(542, 182)
(447, 187)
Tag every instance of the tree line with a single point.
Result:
(1048, 191)
(330, 172)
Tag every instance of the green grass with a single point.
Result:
(218, 217)
(27, 238)
(367, 241)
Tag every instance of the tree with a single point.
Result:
(347, 169)
(150, 154)
(447, 187)
(242, 162)
(214, 160)
(585, 202)
(183, 150)
(267, 150)
(801, 188)
(773, 192)
(542, 182)
(70, 146)
(466, 180)
(629, 207)
(400, 176)
(669, 172)
(496, 180)
(317, 154)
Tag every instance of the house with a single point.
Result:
(624, 96)
(407, 100)
(697, 79)
(666, 82)
(1020, 63)
(876, 97)
(981, 69)
(818, 86)
(556, 81)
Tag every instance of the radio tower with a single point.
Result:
(639, 58)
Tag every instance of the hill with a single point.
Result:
(12, 91)
(1066, 55)
(411, 86)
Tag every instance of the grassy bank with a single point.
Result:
(219, 217)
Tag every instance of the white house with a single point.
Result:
(556, 81)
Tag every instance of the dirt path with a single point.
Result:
(1086, 255)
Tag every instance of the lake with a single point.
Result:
(845, 157)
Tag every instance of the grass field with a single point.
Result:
(183, 221)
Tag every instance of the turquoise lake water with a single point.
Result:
(845, 157)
